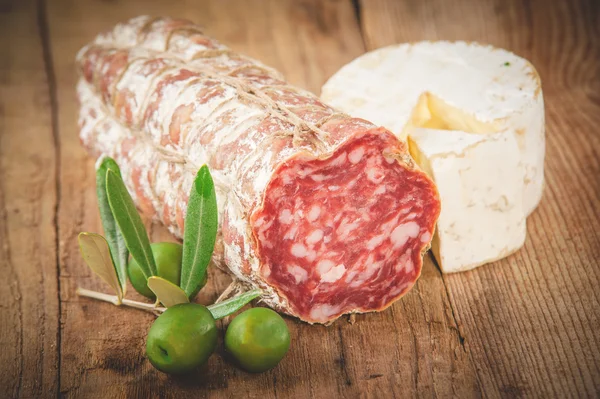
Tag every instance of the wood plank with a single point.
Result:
(415, 346)
(532, 321)
(29, 310)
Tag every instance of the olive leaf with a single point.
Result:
(96, 253)
(130, 223)
(166, 292)
(200, 231)
(230, 306)
(118, 250)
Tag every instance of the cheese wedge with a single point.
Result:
(474, 119)
(482, 216)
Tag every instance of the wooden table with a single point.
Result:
(528, 325)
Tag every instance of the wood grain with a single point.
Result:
(531, 321)
(527, 326)
(29, 291)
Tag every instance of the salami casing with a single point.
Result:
(325, 213)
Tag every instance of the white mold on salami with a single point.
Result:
(323, 212)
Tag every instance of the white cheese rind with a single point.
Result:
(482, 216)
(493, 85)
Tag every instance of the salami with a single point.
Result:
(326, 213)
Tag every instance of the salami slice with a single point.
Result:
(327, 214)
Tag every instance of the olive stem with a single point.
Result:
(230, 288)
(152, 308)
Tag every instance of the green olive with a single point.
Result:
(258, 339)
(167, 256)
(182, 338)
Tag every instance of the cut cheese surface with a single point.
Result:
(434, 113)
(474, 119)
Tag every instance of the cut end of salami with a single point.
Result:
(345, 233)
(325, 213)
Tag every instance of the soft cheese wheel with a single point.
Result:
(473, 117)
(476, 88)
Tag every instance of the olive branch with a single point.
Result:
(126, 234)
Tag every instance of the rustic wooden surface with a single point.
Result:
(527, 326)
